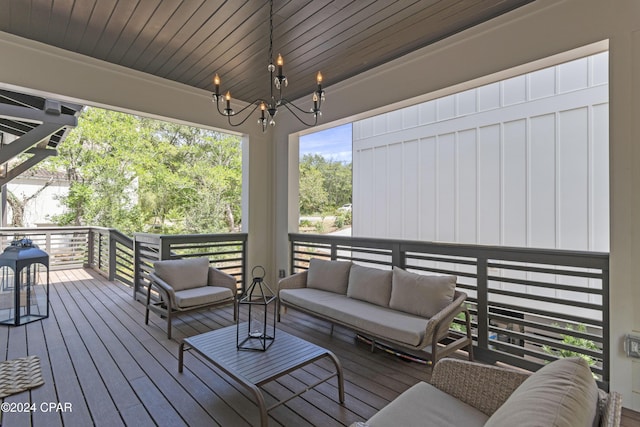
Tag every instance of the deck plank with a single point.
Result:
(97, 354)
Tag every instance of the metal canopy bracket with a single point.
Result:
(51, 121)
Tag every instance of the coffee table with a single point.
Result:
(253, 369)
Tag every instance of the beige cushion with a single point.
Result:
(560, 394)
(202, 295)
(370, 284)
(183, 273)
(330, 276)
(420, 294)
(425, 406)
(371, 319)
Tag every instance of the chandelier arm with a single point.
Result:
(255, 105)
(315, 122)
(286, 102)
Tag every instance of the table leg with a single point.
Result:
(181, 357)
(264, 420)
(340, 376)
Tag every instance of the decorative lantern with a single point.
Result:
(259, 301)
(24, 296)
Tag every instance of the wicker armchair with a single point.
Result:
(485, 388)
(187, 285)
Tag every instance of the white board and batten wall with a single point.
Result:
(522, 162)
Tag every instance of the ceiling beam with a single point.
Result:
(39, 154)
(51, 114)
(28, 140)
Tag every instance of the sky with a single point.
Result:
(332, 144)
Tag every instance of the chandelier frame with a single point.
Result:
(269, 107)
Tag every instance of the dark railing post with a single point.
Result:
(483, 302)
(165, 248)
(397, 257)
(90, 249)
(137, 270)
(606, 319)
(112, 256)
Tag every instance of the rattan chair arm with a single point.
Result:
(295, 281)
(485, 387)
(612, 412)
(222, 279)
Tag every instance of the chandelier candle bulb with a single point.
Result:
(216, 82)
(228, 98)
(280, 62)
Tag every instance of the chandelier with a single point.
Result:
(269, 107)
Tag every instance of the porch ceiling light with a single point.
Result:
(269, 107)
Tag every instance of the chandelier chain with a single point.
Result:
(270, 31)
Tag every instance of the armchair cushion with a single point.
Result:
(183, 274)
(560, 394)
(420, 294)
(424, 405)
(332, 276)
(370, 284)
(202, 295)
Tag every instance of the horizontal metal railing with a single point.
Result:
(227, 252)
(529, 306)
(105, 250)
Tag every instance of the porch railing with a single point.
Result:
(106, 250)
(529, 306)
(227, 252)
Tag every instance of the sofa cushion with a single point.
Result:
(424, 405)
(404, 328)
(183, 273)
(332, 276)
(560, 394)
(203, 295)
(420, 294)
(370, 284)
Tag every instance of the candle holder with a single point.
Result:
(24, 290)
(259, 301)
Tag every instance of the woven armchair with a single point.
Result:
(186, 285)
(486, 388)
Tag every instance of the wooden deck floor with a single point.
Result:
(105, 367)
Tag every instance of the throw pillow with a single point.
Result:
(183, 274)
(370, 284)
(560, 394)
(420, 294)
(331, 276)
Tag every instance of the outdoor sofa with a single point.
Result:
(401, 309)
(467, 394)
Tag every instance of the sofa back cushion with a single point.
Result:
(370, 284)
(183, 274)
(332, 276)
(420, 294)
(560, 394)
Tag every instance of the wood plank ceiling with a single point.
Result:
(189, 40)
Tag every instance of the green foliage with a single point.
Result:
(324, 184)
(138, 174)
(573, 341)
(343, 219)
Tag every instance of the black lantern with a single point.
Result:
(24, 296)
(259, 301)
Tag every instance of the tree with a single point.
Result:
(138, 174)
(19, 204)
(324, 184)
